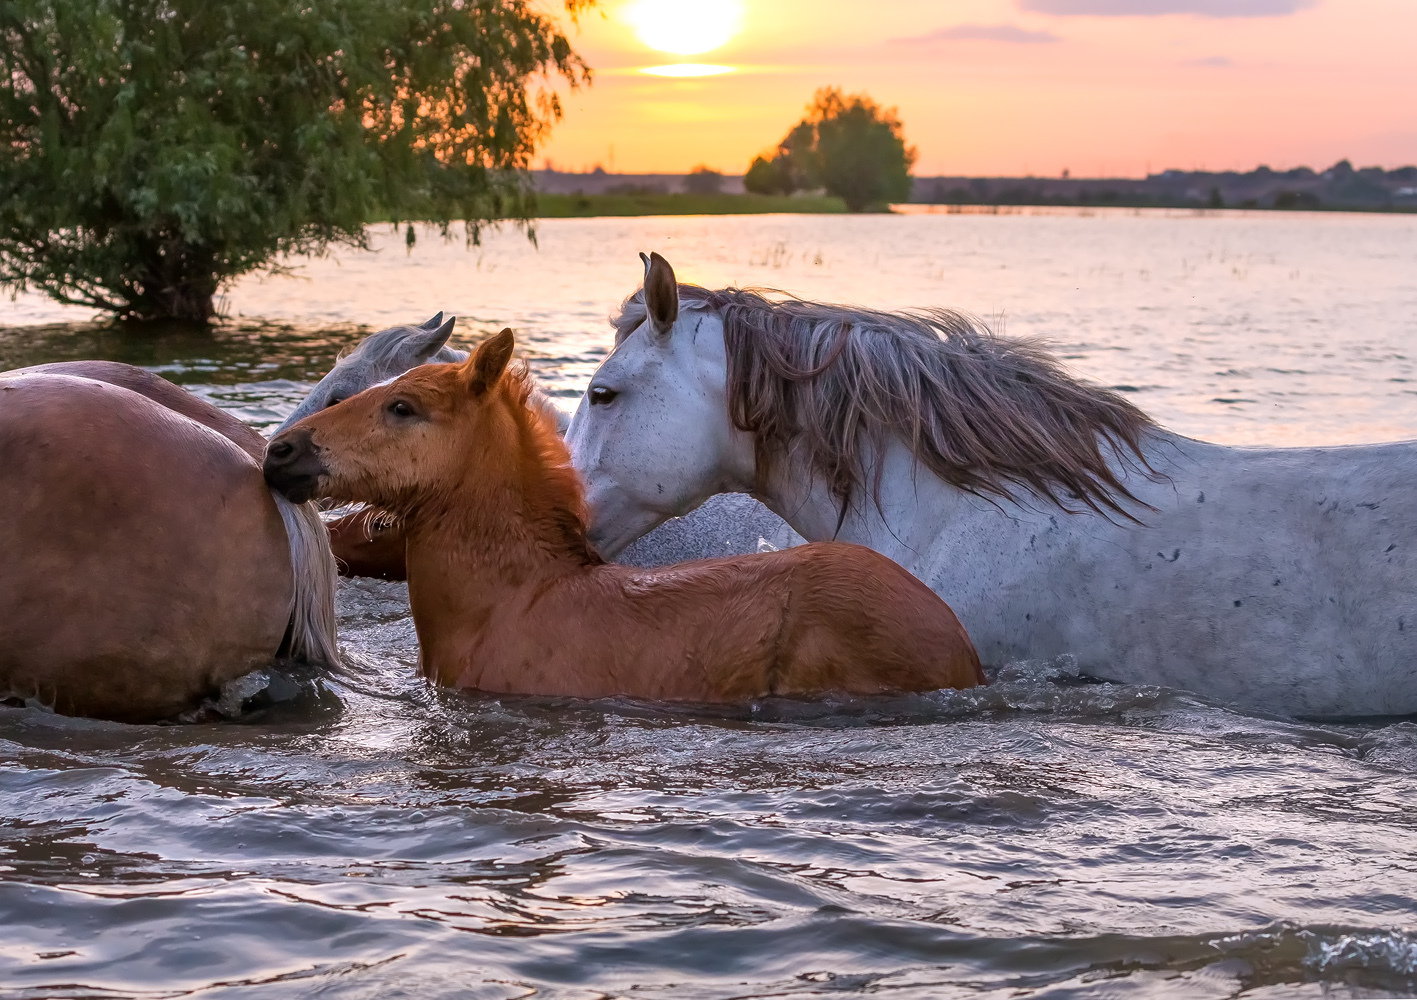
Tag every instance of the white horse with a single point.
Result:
(1052, 515)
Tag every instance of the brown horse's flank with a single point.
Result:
(312, 632)
(146, 562)
(509, 596)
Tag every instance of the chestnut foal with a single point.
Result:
(509, 597)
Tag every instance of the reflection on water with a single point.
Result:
(367, 836)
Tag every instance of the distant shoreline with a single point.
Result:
(603, 206)
(1340, 188)
(632, 206)
(587, 206)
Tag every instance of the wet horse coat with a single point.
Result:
(146, 563)
(508, 596)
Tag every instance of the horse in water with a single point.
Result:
(1053, 515)
(509, 597)
(145, 561)
(369, 543)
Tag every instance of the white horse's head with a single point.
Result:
(733, 390)
(652, 437)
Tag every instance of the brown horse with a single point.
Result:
(509, 597)
(368, 542)
(145, 561)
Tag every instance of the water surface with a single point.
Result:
(364, 835)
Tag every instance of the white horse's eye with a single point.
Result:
(600, 395)
(334, 401)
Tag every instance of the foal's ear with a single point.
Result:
(425, 341)
(489, 361)
(661, 293)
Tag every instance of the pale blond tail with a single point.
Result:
(313, 629)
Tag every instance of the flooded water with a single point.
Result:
(365, 836)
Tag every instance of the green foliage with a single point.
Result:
(702, 180)
(762, 177)
(152, 149)
(792, 168)
(848, 145)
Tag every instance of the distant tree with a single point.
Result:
(762, 177)
(861, 152)
(151, 150)
(848, 145)
(702, 180)
(791, 168)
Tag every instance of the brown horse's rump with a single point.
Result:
(145, 562)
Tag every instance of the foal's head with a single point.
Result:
(415, 439)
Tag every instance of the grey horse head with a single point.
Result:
(379, 357)
(388, 354)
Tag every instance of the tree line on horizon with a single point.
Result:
(1341, 186)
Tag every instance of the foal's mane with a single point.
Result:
(987, 414)
(554, 501)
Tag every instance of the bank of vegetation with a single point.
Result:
(1341, 187)
(577, 206)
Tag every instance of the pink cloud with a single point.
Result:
(1153, 8)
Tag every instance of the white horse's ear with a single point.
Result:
(425, 341)
(661, 294)
(433, 323)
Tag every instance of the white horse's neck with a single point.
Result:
(900, 521)
(905, 518)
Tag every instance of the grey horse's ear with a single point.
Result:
(433, 323)
(425, 341)
(661, 294)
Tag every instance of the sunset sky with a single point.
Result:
(1099, 87)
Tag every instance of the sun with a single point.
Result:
(685, 27)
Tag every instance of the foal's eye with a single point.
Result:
(600, 395)
(400, 409)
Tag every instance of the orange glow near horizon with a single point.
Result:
(1004, 87)
(688, 69)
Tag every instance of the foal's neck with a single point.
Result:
(514, 518)
(508, 528)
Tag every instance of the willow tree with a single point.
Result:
(151, 150)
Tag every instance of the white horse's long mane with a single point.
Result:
(986, 413)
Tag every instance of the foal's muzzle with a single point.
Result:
(293, 466)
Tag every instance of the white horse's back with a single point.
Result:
(1280, 579)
